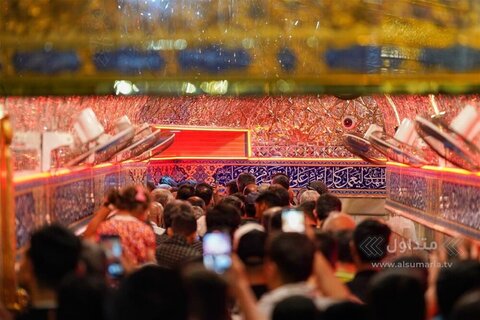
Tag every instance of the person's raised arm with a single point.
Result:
(98, 217)
(241, 289)
(327, 283)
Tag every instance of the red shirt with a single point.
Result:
(137, 237)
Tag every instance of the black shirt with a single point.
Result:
(37, 314)
(259, 290)
(358, 286)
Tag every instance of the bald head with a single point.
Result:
(338, 221)
(249, 188)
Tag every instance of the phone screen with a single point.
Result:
(113, 251)
(217, 249)
(293, 220)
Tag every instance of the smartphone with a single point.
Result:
(293, 220)
(217, 250)
(112, 246)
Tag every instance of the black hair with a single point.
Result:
(270, 198)
(173, 208)
(281, 193)
(281, 179)
(384, 291)
(343, 238)
(296, 307)
(236, 202)
(308, 207)
(197, 201)
(243, 179)
(272, 220)
(134, 199)
(185, 191)
(327, 245)
(327, 203)
(318, 186)
(151, 293)
(293, 254)
(240, 196)
(232, 187)
(379, 233)
(184, 223)
(455, 281)
(276, 221)
(223, 217)
(204, 191)
(346, 310)
(54, 252)
(208, 294)
(251, 248)
(250, 210)
(81, 298)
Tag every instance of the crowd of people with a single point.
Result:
(144, 256)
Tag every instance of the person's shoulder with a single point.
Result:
(323, 303)
(106, 223)
(106, 227)
(143, 227)
(162, 247)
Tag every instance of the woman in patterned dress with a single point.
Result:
(129, 223)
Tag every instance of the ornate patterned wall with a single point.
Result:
(442, 200)
(409, 106)
(68, 198)
(306, 126)
(281, 126)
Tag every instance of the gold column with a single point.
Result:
(8, 284)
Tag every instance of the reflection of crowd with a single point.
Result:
(335, 269)
(70, 203)
(25, 222)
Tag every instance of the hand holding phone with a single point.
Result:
(217, 250)
(112, 246)
(293, 220)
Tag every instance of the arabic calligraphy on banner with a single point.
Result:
(334, 177)
(342, 178)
